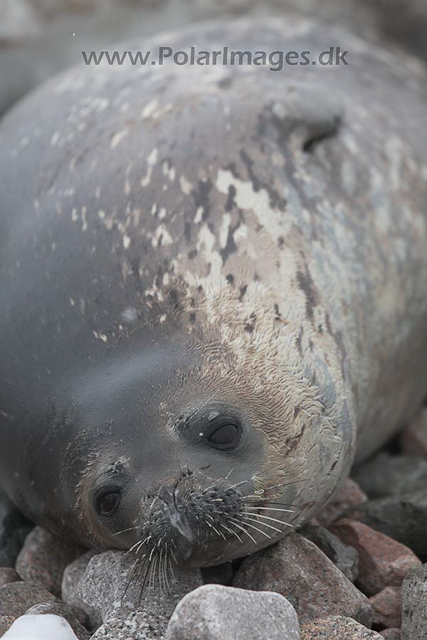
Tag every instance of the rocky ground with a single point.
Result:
(356, 572)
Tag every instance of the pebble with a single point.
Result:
(400, 517)
(414, 439)
(17, 597)
(344, 557)
(8, 575)
(70, 589)
(44, 557)
(14, 528)
(383, 562)
(387, 607)
(74, 618)
(109, 587)
(386, 475)
(215, 612)
(5, 623)
(47, 627)
(391, 634)
(337, 628)
(137, 625)
(414, 605)
(348, 497)
(299, 571)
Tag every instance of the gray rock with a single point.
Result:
(215, 612)
(383, 562)
(400, 517)
(298, 570)
(5, 623)
(337, 628)
(18, 21)
(112, 586)
(44, 557)
(70, 589)
(414, 605)
(343, 556)
(74, 618)
(14, 527)
(137, 625)
(349, 496)
(387, 475)
(413, 440)
(17, 597)
(8, 575)
(387, 607)
(391, 634)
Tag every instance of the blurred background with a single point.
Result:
(40, 37)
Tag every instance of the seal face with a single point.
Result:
(212, 285)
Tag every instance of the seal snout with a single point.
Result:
(173, 511)
(185, 518)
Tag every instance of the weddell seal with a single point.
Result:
(213, 289)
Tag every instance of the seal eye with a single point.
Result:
(107, 503)
(225, 437)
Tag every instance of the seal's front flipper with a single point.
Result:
(14, 528)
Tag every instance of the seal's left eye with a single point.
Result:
(225, 437)
(107, 503)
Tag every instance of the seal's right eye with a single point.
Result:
(108, 502)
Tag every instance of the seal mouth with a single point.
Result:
(188, 521)
(188, 526)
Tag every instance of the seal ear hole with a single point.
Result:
(107, 502)
(312, 142)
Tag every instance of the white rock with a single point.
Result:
(214, 612)
(46, 627)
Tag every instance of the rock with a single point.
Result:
(414, 605)
(413, 440)
(136, 625)
(348, 497)
(8, 575)
(74, 618)
(44, 557)
(337, 628)
(387, 475)
(70, 589)
(13, 530)
(221, 574)
(298, 570)
(47, 627)
(387, 607)
(383, 562)
(17, 597)
(391, 634)
(111, 586)
(5, 623)
(344, 557)
(17, 21)
(214, 612)
(403, 518)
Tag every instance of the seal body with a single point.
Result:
(213, 289)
